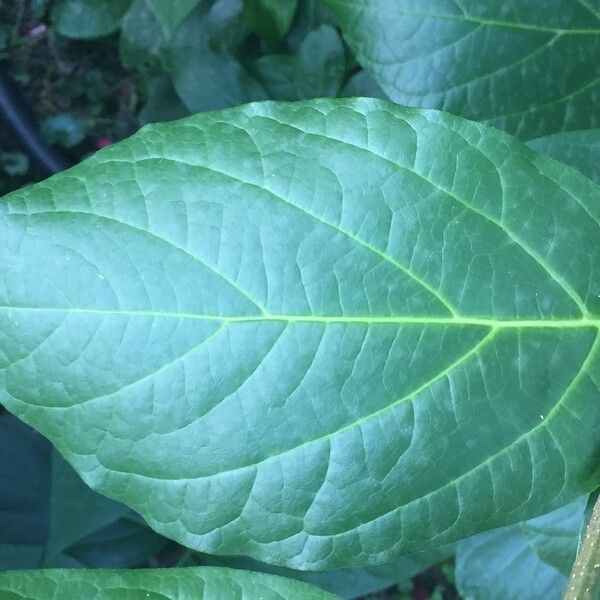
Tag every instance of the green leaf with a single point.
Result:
(362, 84)
(321, 334)
(75, 510)
(555, 536)
(201, 583)
(84, 19)
(310, 15)
(347, 583)
(48, 517)
(531, 68)
(170, 14)
(24, 487)
(271, 19)
(317, 69)
(205, 73)
(123, 543)
(502, 565)
(580, 149)
(142, 37)
(211, 81)
(163, 103)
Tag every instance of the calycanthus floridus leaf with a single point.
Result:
(469, 57)
(321, 334)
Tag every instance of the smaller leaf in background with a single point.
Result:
(225, 25)
(310, 15)
(170, 14)
(142, 37)
(86, 19)
(346, 583)
(361, 84)
(579, 149)
(555, 536)
(200, 583)
(212, 81)
(63, 129)
(270, 19)
(317, 70)
(200, 59)
(502, 565)
(163, 103)
(49, 517)
(24, 489)
(127, 542)
(530, 560)
(75, 510)
(14, 163)
(530, 68)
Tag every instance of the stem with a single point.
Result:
(584, 583)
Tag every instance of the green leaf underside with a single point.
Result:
(170, 14)
(199, 583)
(321, 334)
(468, 57)
(83, 19)
(502, 565)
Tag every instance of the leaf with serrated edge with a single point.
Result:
(321, 334)
(530, 68)
(200, 583)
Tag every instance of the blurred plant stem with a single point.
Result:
(584, 582)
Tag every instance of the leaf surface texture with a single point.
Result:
(320, 334)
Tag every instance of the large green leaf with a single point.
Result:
(322, 334)
(200, 583)
(531, 68)
(82, 19)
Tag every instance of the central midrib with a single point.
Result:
(325, 319)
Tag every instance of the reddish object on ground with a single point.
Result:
(420, 594)
(103, 142)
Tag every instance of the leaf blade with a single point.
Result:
(292, 231)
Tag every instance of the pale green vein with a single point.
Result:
(539, 107)
(567, 288)
(497, 323)
(486, 339)
(157, 237)
(484, 76)
(543, 424)
(435, 293)
(470, 19)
